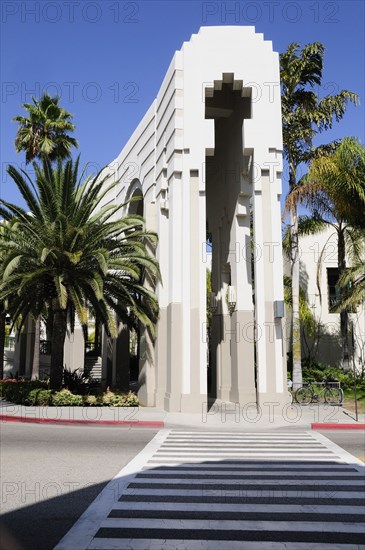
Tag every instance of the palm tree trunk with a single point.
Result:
(297, 353)
(97, 346)
(49, 324)
(36, 354)
(344, 316)
(2, 342)
(58, 341)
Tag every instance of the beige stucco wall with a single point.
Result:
(317, 253)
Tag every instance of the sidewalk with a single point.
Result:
(222, 416)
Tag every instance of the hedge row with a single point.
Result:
(24, 393)
(318, 372)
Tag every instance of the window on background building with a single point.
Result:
(333, 290)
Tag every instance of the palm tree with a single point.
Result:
(354, 282)
(2, 332)
(2, 338)
(303, 116)
(334, 190)
(74, 252)
(344, 172)
(44, 132)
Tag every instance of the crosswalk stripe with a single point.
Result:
(256, 466)
(236, 525)
(337, 537)
(296, 492)
(215, 491)
(256, 475)
(158, 544)
(339, 509)
(163, 460)
(227, 483)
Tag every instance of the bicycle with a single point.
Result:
(332, 394)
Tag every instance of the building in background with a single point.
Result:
(319, 282)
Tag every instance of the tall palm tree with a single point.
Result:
(334, 190)
(44, 135)
(2, 338)
(344, 172)
(76, 252)
(44, 132)
(303, 116)
(354, 282)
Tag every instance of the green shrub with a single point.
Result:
(129, 399)
(318, 372)
(39, 397)
(36, 392)
(65, 398)
(108, 398)
(15, 392)
(91, 400)
(112, 399)
(4, 384)
(18, 391)
(78, 381)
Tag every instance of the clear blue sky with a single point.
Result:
(107, 59)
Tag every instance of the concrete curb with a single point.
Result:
(126, 423)
(318, 426)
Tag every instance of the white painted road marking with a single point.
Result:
(209, 491)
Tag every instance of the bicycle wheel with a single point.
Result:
(303, 396)
(333, 396)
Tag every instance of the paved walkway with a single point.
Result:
(221, 416)
(194, 490)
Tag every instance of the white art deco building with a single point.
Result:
(207, 158)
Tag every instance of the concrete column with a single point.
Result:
(242, 320)
(162, 253)
(24, 346)
(194, 391)
(271, 363)
(161, 358)
(174, 316)
(17, 349)
(74, 348)
(147, 376)
(147, 364)
(29, 335)
(227, 331)
(104, 357)
(120, 359)
(106, 360)
(243, 370)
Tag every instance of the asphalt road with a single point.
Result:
(50, 474)
(352, 441)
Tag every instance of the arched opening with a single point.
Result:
(136, 204)
(228, 192)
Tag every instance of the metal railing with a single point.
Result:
(44, 345)
(329, 384)
(9, 343)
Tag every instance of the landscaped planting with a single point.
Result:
(37, 393)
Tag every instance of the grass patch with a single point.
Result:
(349, 401)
